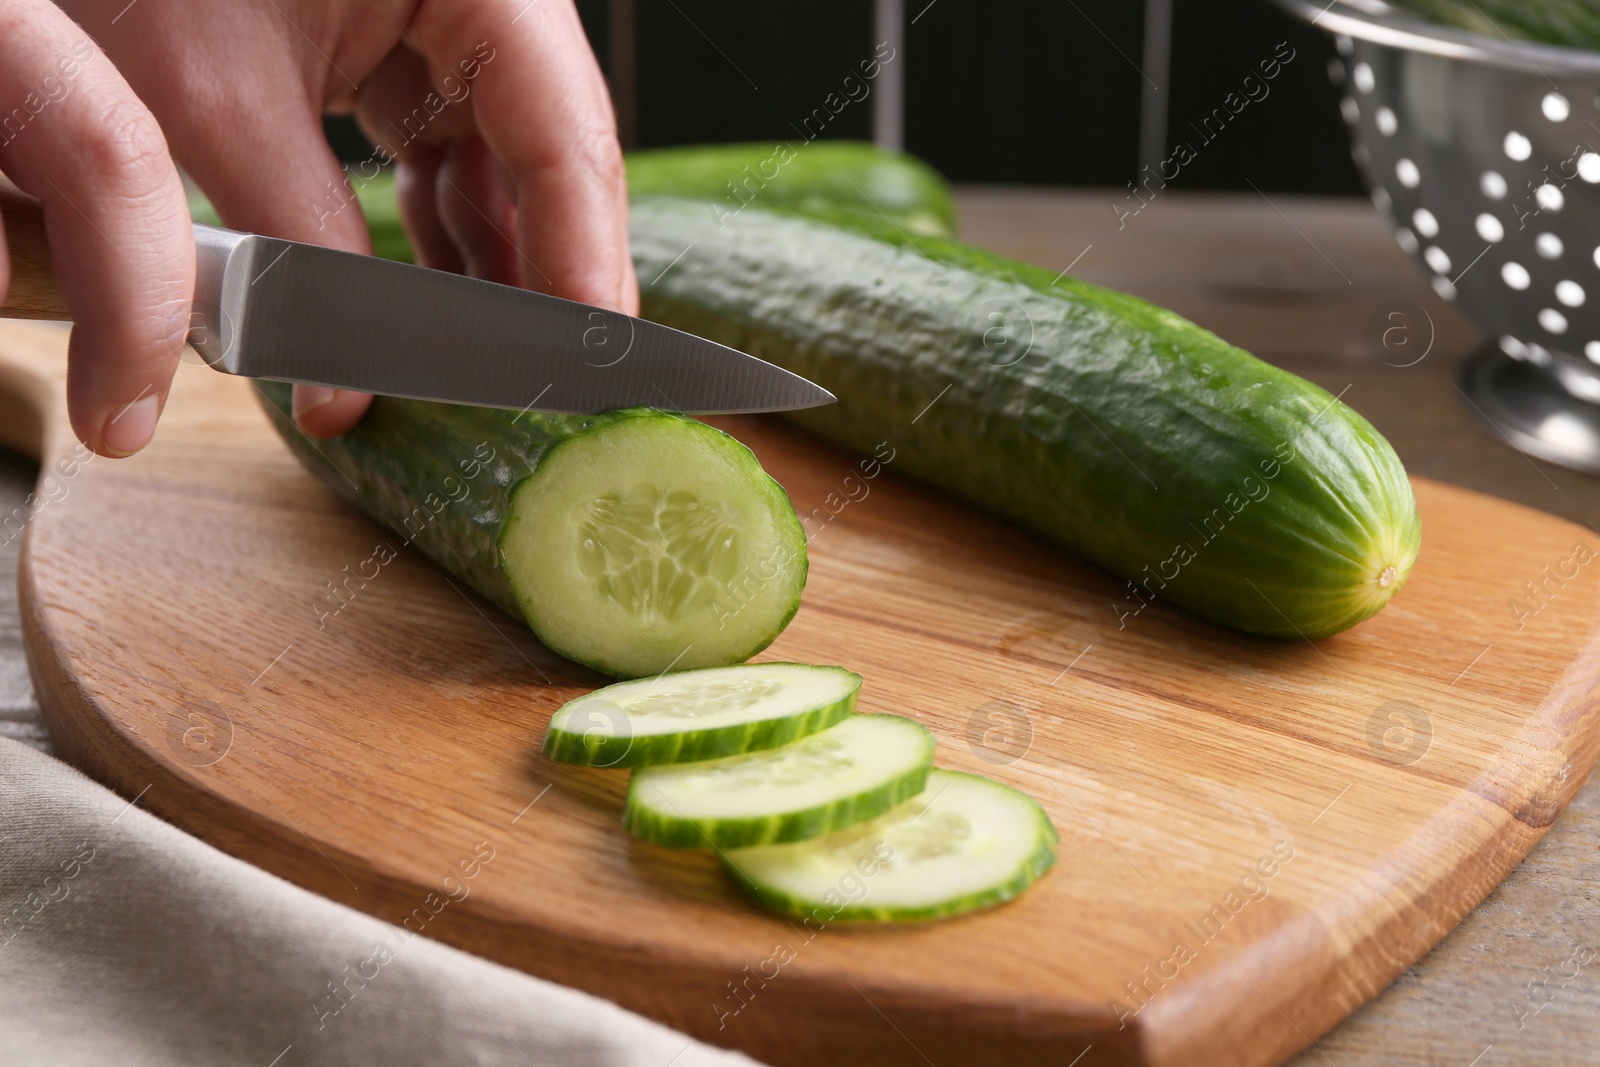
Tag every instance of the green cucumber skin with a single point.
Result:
(1034, 868)
(821, 177)
(408, 457)
(1570, 23)
(1117, 434)
(817, 177)
(673, 832)
(697, 746)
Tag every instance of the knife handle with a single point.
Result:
(33, 293)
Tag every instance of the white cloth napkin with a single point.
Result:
(124, 941)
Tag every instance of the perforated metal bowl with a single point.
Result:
(1485, 154)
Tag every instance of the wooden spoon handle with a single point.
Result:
(33, 293)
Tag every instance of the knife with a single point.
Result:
(292, 312)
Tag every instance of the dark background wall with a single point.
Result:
(1031, 91)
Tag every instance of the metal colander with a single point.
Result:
(1485, 154)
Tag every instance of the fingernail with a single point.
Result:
(308, 398)
(131, 428)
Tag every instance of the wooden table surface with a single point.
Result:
(1300, 282)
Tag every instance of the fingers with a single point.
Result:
(416, 178)
(451, 189)
(250, 133)
(292, 186)
(120, 241)
(287, 184)
(393, 110)
(324, 412)
(630, 285)
(542, 108)
(477, 213)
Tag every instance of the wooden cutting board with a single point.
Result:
(1256, 836)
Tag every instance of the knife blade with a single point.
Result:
(270, 308)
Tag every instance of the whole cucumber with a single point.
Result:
(1202, 475)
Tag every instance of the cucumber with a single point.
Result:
(700, 714)
(820, 177)
(965, 842)
(842, 776)
(1200, 474)
(1573, 23)
(632, 541)
(811, 177)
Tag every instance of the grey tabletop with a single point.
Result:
(1299, 282)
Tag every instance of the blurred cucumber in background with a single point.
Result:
(379, 201)
(1573, 23)
(823, 178)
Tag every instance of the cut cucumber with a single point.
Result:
(965, 842)
(633, 542)
(656, 529)
(842, 776)
(700, 714)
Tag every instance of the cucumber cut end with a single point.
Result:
(701, 714)
(965, 842)
(653, 543)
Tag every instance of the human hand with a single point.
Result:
(73, 133)
(509, 167)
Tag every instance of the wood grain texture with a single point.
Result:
(1172, 756)
(32, 292)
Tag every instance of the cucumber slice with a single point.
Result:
(700, 715)
(965, 842)
(842, 776)
(680, 550)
